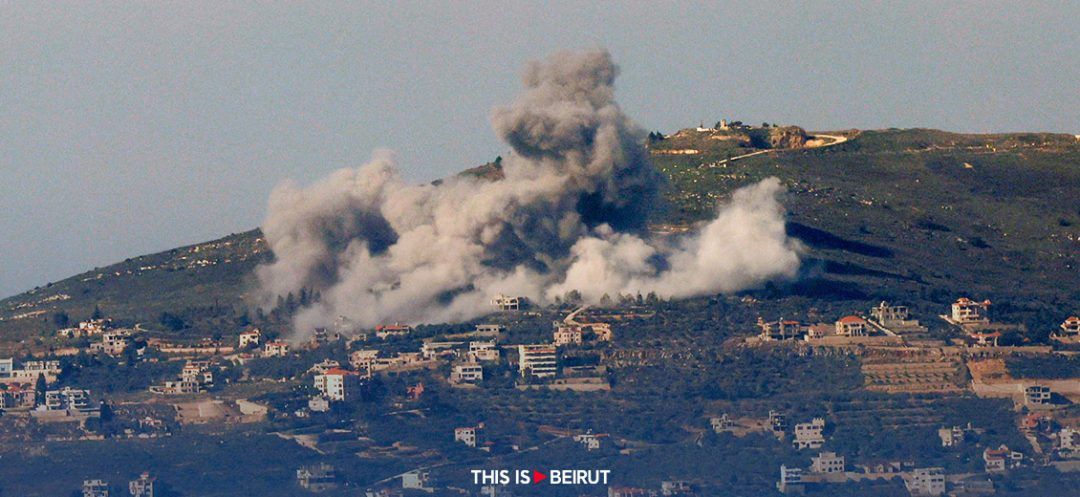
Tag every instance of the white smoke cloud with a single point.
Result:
(570, 213)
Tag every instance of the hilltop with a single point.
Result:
(915, 215)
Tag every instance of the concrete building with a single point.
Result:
(538, 361)
(469, 435)
(318, 404)
(721, 423)
(337, 384)
(467, 373)
(678, 487)
(827, 462)
(891, 315)
(66, 399)
(851, 326)
(113, 342)
(276, 348)
(809, 435)
(392, 330)
(967, 311)
(926, 482)
(568, 335)
(18, 397)
(783, 329)
(591, 441)
(1070, 328)
(250, 338)
(489, 329)
(1037, 395)
(434, 350)
(415, 480)
(142, 487)
(777, 422)
(363, 360)
(1069, 440)
(951, 437)
(483, 351)
(507, 303)
(791, 481)
(95, 488)
(1002, 458)
(317, 477)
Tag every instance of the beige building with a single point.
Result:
(537, 361)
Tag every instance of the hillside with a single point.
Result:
(913, 215)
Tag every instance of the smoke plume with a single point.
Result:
(570, 213)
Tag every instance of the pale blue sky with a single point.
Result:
(130, 128)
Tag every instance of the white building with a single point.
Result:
(66, 399)
(568, 335)
(851, 326)
(317, 477)
(392, 330)
(318, 404)
(95, 488)
(951, 437)
(468, 435)
(721, 424)
(142, 487)
(790, 480)
(336, 384)
(250, 338)
(506, 303)
(827, 462)
(483, 351)
(926, 482)
(809, 435)
(537, 361)
(468, 372)
(967, 311)
(415, 480)
(276, 349)
(591, 441)
(1069, 440)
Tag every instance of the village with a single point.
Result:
(897, 355)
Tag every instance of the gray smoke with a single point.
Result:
(570, 213)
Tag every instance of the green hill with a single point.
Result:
(918, 216)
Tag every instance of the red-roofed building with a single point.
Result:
(1071, 327)
(967, 311)
(337, 384)
(851, 326)
(276, 349)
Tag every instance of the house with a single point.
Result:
(851, 326)
(67, 399)
(468, 435)
(507, 303)
(198, 372)
(1002, 458)
(142, 487)
(467, 373)
(790, 480)
(318, 404)
(601, 330)
(568, 335)
(926, 482)
(1069, 440)
(809, 435)
(415, 480)
(434, 350)
(817, 331)
(18, 397)
(1070, 328)
(323, 366)
(276, 348)
(827, 462)
(721, 424)
(95, 488)
(363, 360)
(951, 437)
(590, 441)
(113, 342)
(488, 329)
(251, 338)
(317, 477)
(677, 487)
(483, 351)
(891, 316)
(967, 311)
(337, 384)
(1037, 395)
(85, 329)
(392, 330)
(29, 372)
(985, 339)
(537, 361)
(777, 422)
(782, 329)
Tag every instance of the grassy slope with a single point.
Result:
(912, 215)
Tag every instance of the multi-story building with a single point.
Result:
(276, 348)
(1069, 440)
(568, 335)
(469, 435)
(926, 482)
(95, 488)
(1002, 458)
(483, 351)
(538, 361)
(113, 342)
(967, 311)
(721, 423)
(67, 399)
(951, 437)
(336, 384)
(783, 329)
(468, 372)
(591, 441)
(790, 480)
(489, 329)
(1071, 327)
(851, 326)
(415, 480)
(507, 303)
(142, 487)
(827, 462)
(384, 331)
(809, 435)
(317, 477)
(250, 338)
(1037, 395)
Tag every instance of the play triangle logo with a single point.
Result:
(538, 477)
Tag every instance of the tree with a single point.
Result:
(97, 313)
(39, 389)
(61, 319)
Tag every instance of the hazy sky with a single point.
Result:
(130, 128)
